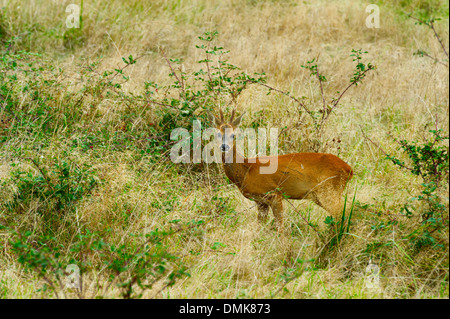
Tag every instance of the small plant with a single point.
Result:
(428, 159)
(133, 266)
(338, 228)
(65, 184)
(217, 83)
(291, 273)
(319, 116)
(135, 269)
(430, 23)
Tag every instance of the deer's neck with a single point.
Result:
(235, 166)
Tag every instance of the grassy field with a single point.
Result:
(85, 174)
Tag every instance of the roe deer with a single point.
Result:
(316, 176)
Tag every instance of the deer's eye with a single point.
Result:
(219, 135)
(232, 135)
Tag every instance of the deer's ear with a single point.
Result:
(214, 121)
(237, 121)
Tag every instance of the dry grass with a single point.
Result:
(403, 96)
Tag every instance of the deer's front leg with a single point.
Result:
(276, 203)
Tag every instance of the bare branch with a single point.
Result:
(438, 38)
(381, 149)
(284, 93)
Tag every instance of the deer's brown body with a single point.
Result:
(316, 176)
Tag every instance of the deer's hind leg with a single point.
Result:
(329, 198)
(263, 210)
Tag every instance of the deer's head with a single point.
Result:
(225, 135)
